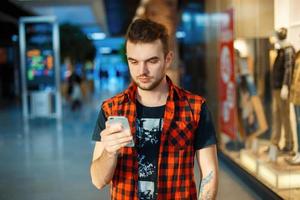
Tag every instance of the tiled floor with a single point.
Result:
(48, 163)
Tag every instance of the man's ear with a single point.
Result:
(169, 58)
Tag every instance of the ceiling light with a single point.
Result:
(105, 50)
(180, 34)
(97, 36)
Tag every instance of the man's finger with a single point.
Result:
(112, 129)
(118, 146)
(119, 141)
(107, 125)
(116, 136)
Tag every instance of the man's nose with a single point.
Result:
(143, 68)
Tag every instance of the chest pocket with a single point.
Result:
(181, 134)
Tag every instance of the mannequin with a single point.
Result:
(282, 71)
(295, 99)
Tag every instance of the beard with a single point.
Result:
(148, 86)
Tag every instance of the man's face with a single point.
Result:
(147, 63)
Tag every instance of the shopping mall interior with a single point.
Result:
(59, 60)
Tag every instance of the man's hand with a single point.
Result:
(114, 137)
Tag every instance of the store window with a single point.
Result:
(256, 52)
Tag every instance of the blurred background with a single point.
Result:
(60, 59)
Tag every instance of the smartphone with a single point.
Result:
(125, 124)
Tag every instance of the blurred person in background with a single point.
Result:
(74, 90)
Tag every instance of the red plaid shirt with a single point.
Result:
(176, 151)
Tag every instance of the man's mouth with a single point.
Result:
(144, 79)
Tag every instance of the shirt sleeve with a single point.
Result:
(99, 126)
(205, 132)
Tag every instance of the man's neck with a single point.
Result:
(156, 97)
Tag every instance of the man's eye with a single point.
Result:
(153, 61)
(133, 62)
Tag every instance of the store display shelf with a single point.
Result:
(277, 174)
(248, 161)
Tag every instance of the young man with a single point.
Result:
(168, 124)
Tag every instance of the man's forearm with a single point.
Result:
(102, 169)
(208, 187)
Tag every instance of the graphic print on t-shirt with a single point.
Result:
(146, 169)
(148, 133)
(146, 189)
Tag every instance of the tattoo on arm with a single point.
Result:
(205, 181)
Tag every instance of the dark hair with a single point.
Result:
(146, 31)
(281, 33)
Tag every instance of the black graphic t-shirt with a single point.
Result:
(149, 125)
(148, 131)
